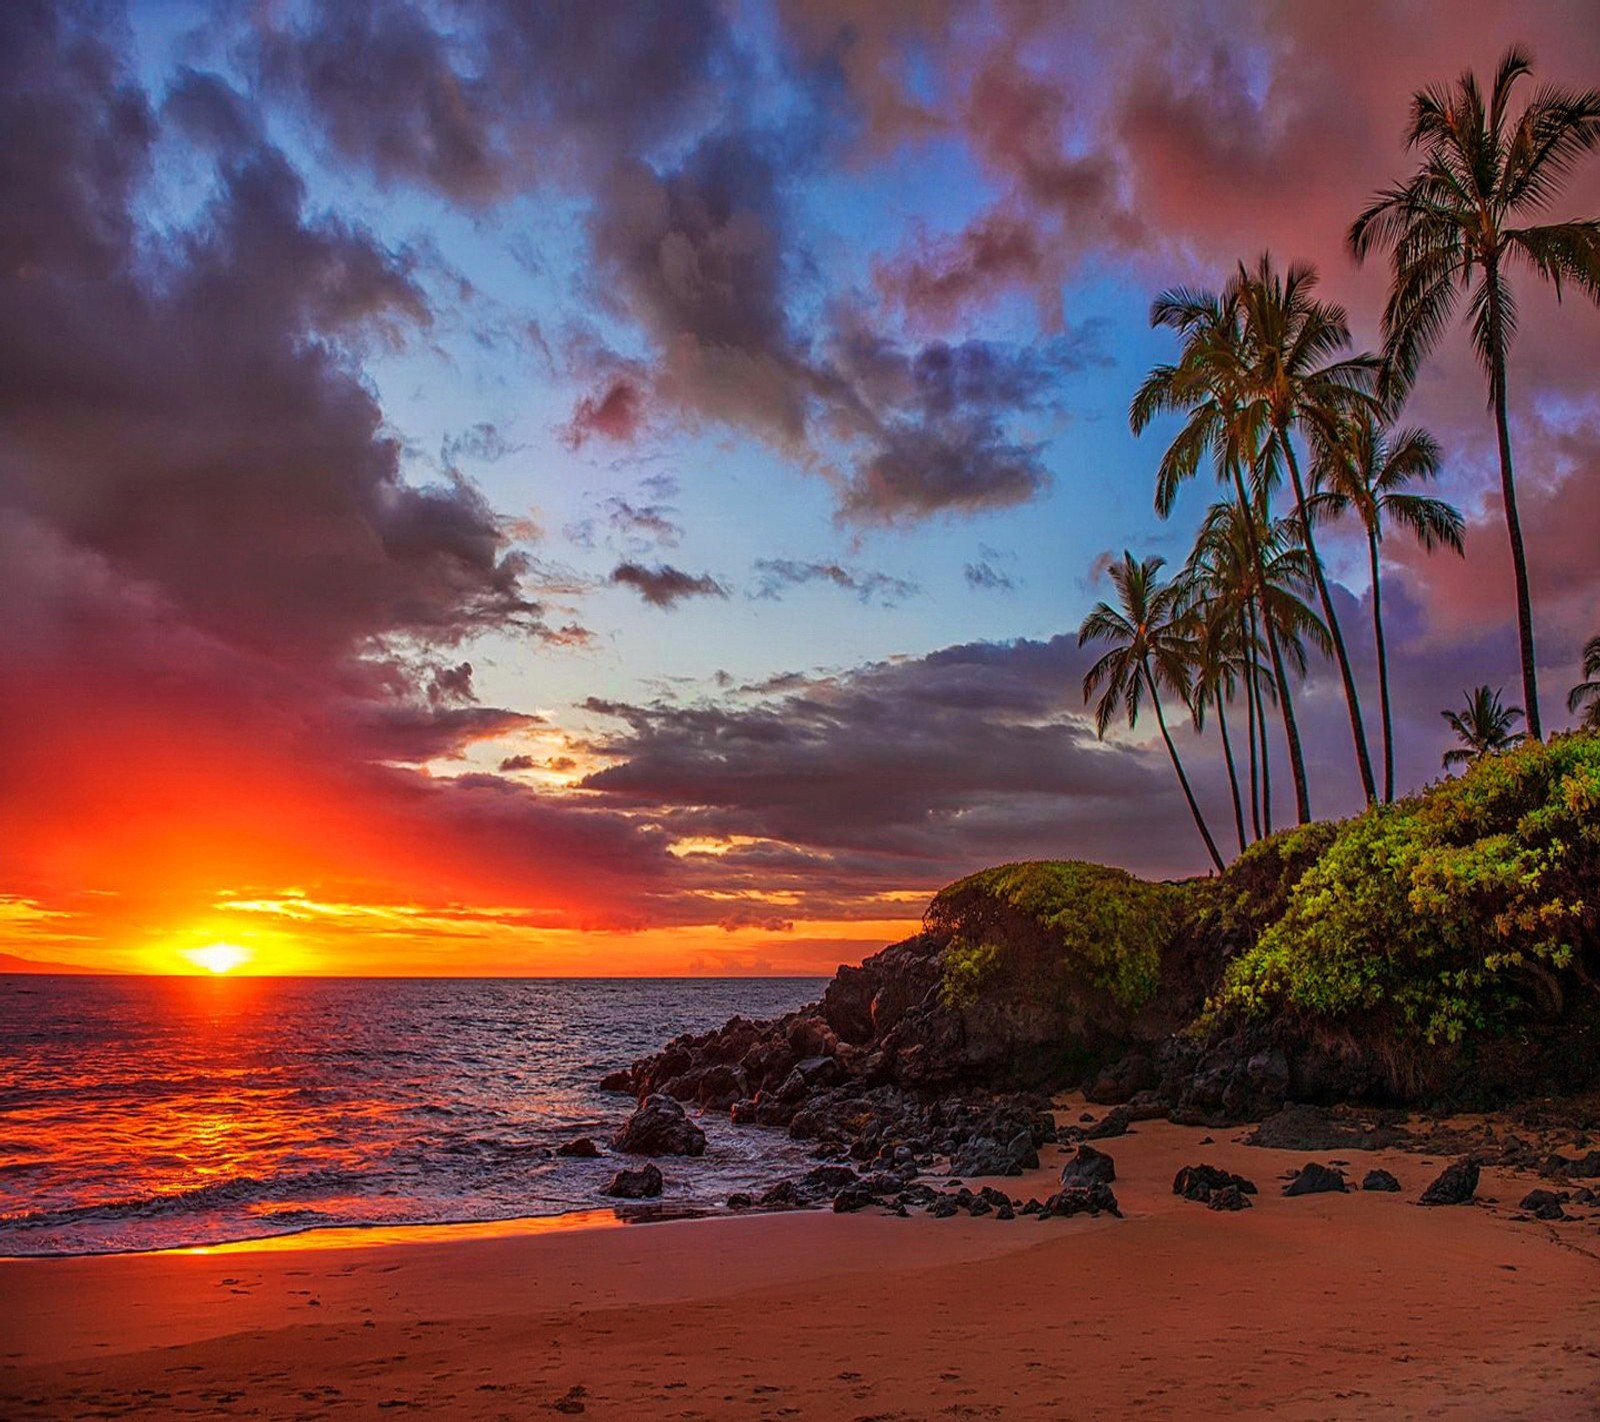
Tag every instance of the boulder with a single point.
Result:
(1230, 1197)
(1115, 1123)
(1456, 1186)
(1121, 1079)
(1317, 1179)
(853, 1198)
(1545, 1204)
(583, 1148)
(1201, 1182)
(642, 1184)
(1081, 1200)
(1088, 1166)
(1380, 1180)
(660, 1127)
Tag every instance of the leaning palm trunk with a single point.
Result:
(1252, 701)
(1352, 700)
(1508, 493)
(1383, 671)
(1233, 771)
(1291, 731)
(1177, 765)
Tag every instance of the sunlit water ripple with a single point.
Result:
(144, 1113)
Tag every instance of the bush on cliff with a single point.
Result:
(1447, 914)
(1069, 920)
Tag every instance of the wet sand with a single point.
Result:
(1321, 1306)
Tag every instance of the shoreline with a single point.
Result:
(1310, 1307)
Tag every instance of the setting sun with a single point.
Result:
(218, 957)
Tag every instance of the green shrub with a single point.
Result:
(1098, 924)
(1442, 914)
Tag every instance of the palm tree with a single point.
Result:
(1466, 216)
(1363, 468)
(1259, 572)
(1148, 651)
(1209, 385)
(1482, 725)
(1220, 663)
(1290, 343)
(1588, 690)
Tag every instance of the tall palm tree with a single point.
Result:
(1260, 573)
(1220, 665)
(1208, 384)
(1363, 467)
(1482, 725)
(1461, 221)
(1148, 652)
(1291, 341)
(1588, 690)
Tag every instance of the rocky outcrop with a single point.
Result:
(660, 1127)
(581, 1149)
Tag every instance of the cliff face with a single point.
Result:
(1448, 946)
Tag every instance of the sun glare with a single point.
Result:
(218, 957)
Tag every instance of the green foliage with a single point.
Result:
(1255, 889)
(1097, 924)
(1439, 915)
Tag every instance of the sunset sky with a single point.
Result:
(612, 488)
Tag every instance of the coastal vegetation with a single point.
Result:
(1462, 913)
(1103, 925)
(1299, 431)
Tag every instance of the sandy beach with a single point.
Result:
(1320, 1306)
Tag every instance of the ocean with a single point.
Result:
(151, 1113)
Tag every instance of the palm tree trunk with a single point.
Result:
(1233, 772)
(1177, 765)
(1357, 730)
(1266, 746)
(1291, 731)
(1383, 670)
(1508, 493)
(1252, 693)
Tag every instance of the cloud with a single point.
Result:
(899, 773)
(665, 586)
(504, 96)
(984, 576)
(774, 575)
(616, 412)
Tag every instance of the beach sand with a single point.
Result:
(1322, 1306)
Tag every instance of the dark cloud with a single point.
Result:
(497, 95)
(904, 772)
(517, 762)
(774, 575)
(956, 467)
(665, 586)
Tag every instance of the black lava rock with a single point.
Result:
(642, 1184)
(1380, 1180)
(660, 1127)
(1316, 1179)
(1089, 1166)
(1201, 1182)
(1456, 1186)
